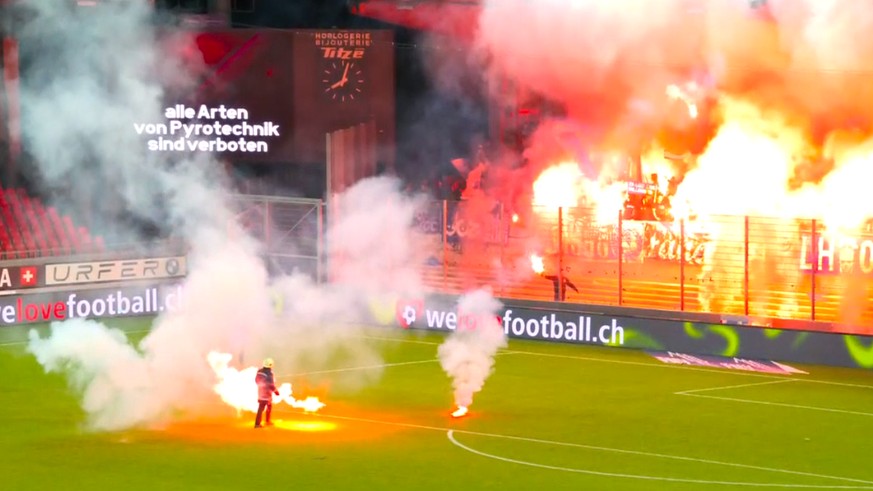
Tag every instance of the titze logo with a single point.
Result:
(525, 325)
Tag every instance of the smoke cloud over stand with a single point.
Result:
(696, 90)
(92, 75)
(467, 355)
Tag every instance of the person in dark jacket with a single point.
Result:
(266, 390)
(560, 285)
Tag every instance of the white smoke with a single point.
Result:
(94, 76)
(467, 355)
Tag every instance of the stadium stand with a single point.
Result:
(29, 229)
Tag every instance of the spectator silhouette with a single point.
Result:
(560, 285)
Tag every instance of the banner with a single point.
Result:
(576, 324)
(120, 270)
(18, 277)
(93, 303)
(636, 241)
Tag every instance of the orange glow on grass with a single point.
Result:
(301, 425)
(345, 423)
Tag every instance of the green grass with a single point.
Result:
(550, 417)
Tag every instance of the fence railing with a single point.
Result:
(291, 230)
(759, 267)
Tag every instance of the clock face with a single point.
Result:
(342, 80)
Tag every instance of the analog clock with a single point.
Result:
(342, 80)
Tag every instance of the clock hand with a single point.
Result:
(343, 80)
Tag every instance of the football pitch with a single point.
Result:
(550, 417)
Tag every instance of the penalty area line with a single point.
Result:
(612, 450)
(451, 435)
(775, 404)
(726, 387)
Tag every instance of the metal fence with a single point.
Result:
(290, 229)
(732, 265)
(762, 268)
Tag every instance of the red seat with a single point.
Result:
(35, 227)
(86, 245)
(20, 220)
(17, 241)
(5, 240)
(60, 231)
(72, 233)
(28, 228)
(46, 226)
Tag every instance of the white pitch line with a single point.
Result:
(658, 365)
(593, 447)
(367, 367)
(655, 365)
(460, 445)
(599, 360)
(726, 387)
(400, 340)
(777, 404)
(370, 367)
(22, 343)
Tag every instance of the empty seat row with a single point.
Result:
(30, 229)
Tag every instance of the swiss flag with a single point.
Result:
(28, 276)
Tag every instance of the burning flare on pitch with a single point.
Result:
(238, 389)
(460, 412)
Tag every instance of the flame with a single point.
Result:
(238, 389)
(558, 186)
(750, 165)
(515, 218)
(763, 163)
(678, 93)
(460, 412)
(563, 185)
(536, 263)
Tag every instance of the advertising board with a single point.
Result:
(576, 324)
(128, 301)
(116, 270)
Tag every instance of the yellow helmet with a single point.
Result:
(268, 363)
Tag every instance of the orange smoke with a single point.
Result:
(765, 112)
